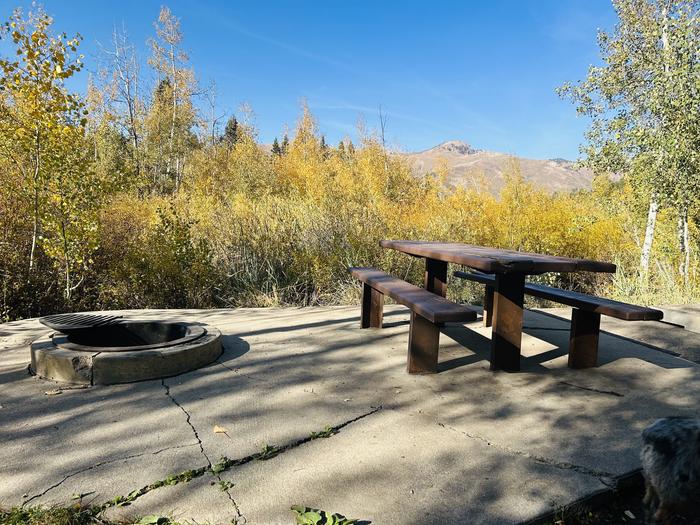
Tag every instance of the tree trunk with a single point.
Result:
(37, 167)
(649, 235)
(173, 73)
(684, 242)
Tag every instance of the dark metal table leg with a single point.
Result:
(507, 321)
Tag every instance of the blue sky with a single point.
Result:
(479, 71)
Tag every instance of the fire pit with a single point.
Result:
(102, 350)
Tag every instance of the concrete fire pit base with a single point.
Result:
(51, 361)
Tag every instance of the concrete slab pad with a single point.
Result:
(200, 501)
(464, 445)
(401, 468)
(686, 315)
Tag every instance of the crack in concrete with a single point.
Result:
(240, 518)
(238, 372)
(591, 389)
(606, 478)
(99, 464)
(188, 419)
(226, 464)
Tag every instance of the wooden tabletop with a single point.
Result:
(494, 260)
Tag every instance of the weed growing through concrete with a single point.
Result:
(309, 516)
(225, 485)
(224, 464)
(325, 433)
(71, 515)
(268, 452)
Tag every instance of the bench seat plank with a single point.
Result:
(617, 309)
(432, 307)
(600, 305)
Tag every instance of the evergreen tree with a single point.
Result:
(351, 148)
(341, 148)
(231, 132)
(285, 144)
(276, 148)
(324, 147)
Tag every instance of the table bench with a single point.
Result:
(428, 311)
(510, 268)
(585, 315)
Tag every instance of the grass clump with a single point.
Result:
(72, 515)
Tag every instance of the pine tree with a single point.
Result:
(231, 132)
(351, 148)
(276, 148)
(341, 148)
(285, 144)
(324, 147)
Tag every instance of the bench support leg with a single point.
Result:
(583, 339)
(488, 306)
(507, 330)
(423, 340)
(372, 307)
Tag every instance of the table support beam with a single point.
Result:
(506, 335)
(436, 276)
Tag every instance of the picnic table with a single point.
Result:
(509, 269)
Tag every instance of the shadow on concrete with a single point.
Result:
(285, 373)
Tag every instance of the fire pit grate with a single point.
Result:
(67, 323)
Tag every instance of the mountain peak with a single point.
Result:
(561, 161)
(457, 146)
(472, 168)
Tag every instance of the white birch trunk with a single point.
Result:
(37, 169)
(684, 243)
(649, 235)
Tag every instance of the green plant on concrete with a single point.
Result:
(309, 516)
(119, 501)
(268, 452)
(325, 433)
(222, 465)
(70, 515)
(173, 479)
(154, 520)
(225, 485)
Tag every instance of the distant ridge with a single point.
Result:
(471, 167)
